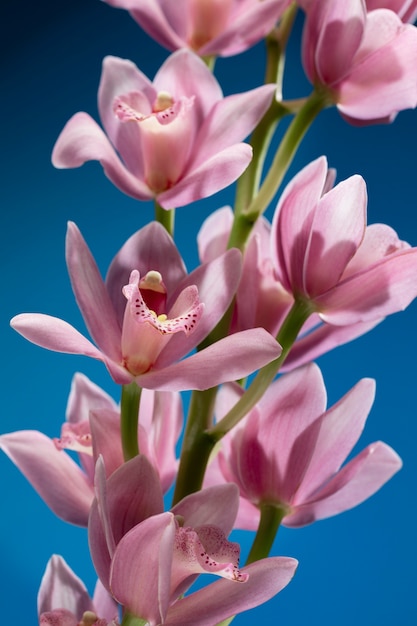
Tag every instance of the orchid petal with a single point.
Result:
(216, 282)
(184, 74)
(150, 248)
(225, 598)
(336, 233)
(214, 234)
(85, 395)
(292, 221)
(355, 482)
(386, 287)
(231, 358)
(230, 121)
(54, 334)
(382, 80)
(340, 428)
(105, 434)
(121, 76)
(214, 174)
(141, 568)
(83, 140)
(213, 506)
(52, 473)
(91, 295)
(61, 589)
(133, 488)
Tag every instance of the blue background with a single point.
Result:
(358, 567)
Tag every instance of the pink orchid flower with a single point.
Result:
(63, 599)
(209, 27)
(405, 9)
(176, 139)
(92, 428)
(324, 253)
(149, 559)
(143, 328)
(270, 302)
(289, 450)
(366, 61)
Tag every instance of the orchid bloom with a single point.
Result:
(270, 302)
(323, 252)
(149, 558)
(288, 451)
(176, 139)
(209, 27)
(144, 325)
(365, 61)
(63, 599)
(405, 9)
(92, 428)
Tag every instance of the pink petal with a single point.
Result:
(53, 334)
(215, 174)
(339, 39)
(131, 494)
(231, 358)
(150, 248)
(291, 224)
(323, 339)
(251, 22)
(271, 456)
(216, 506)
(214, 234)
(216, 282)
(184, 74)
(383, 79)
(230, 121)
(225, 598)
(386, 287)
(52, 473)
(91, 295)
(356, 482)
(141, 568)
(340, 428)
(165, 26)
(85, 395)
(83, 140)
(120, 77)
(61, 589)
(105, 432)
(336, 233)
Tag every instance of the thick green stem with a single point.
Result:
(166, 217)
(286, 151)
(197, 444)
(248, 183)
(129, 415)
(271, 518)
(295, 319)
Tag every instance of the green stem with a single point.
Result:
(129, 415)
(166, 217)
(197, 444)
(248, 183)
(271, 518)
(132, 620)
(295, 319)
(286, 151)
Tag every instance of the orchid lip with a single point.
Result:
(147, 331)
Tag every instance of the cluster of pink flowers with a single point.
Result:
(267, 299)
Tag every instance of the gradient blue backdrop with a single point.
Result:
(356, 568)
